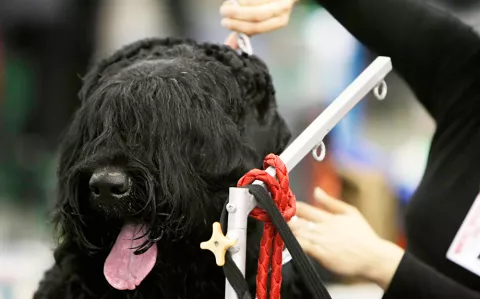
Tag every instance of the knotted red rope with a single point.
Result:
(271, 245)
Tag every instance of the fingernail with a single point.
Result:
(319, 194)
(294, 218)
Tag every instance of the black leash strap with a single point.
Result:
(230, 269)
(299, 258)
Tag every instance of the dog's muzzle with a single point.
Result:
(109, 184)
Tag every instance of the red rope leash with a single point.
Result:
(271, 245)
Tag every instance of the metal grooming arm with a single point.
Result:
(241, 202)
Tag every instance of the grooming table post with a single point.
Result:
(241, 202)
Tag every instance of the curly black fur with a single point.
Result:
(185, 121)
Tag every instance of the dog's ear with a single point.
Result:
(264, 128)
(269, 134)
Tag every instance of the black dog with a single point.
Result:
(165, 127)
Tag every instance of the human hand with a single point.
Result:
(340, 238)
(256, 16)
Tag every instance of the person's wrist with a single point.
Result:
(383, 263)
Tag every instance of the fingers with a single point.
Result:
(297, 223)
(309, 234)
(254, 17)
(255, 28)
(331, 204)
(310, 213)
(310, 248)
(252, 2)
(256, 2)
(232, 40)
(306, 229)
(306, 245)
(255, 12)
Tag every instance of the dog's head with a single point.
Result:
(165, 127)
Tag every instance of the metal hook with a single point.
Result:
(244, 43)
(323, 152)
(380, 91)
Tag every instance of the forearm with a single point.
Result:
(416, 280)
(383, 263)
(427, 46)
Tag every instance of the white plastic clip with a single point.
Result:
(244, 44)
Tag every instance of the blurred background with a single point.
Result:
(375, 156)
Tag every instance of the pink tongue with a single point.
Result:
(123, 269)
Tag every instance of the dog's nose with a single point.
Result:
(110, 182)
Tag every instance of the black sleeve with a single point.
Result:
(416, 280)
(434, 52)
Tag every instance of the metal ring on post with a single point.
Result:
(323, 152)
(380, 91)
